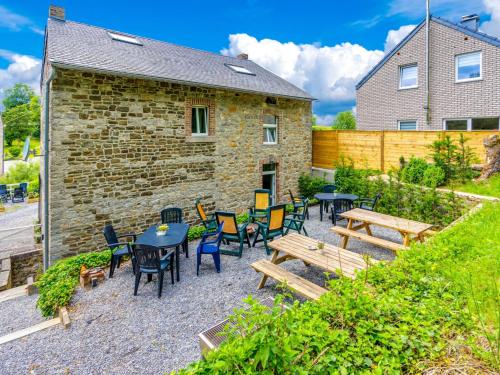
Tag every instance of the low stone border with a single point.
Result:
(5, 273)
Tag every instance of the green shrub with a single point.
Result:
(21, 172)
(433, 176)
(394, 318)
(413, 172)
(308, 185)
(34, 186)
(14, 151)
(57, 285)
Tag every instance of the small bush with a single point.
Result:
(14, 151)
(433, 176)
(34, 186)
(413, 172)
(308, 185)
(57, 285)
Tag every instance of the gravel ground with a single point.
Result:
(114, 332)
(18, 240)
(18, 313)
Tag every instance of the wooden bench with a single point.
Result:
(298, 284)
(367, 238)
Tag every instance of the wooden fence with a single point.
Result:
(382, 149)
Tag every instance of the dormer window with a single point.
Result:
(240, 69)
(124, 38)
(408, 77)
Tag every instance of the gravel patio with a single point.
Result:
(113, 332)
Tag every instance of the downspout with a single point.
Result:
(427, 68)
(51, 76)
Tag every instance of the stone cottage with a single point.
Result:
(133, 125)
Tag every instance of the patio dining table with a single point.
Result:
(330, 197)
(176, 236)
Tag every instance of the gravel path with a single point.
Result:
(114, 332)
(18, 240)
(19, 313)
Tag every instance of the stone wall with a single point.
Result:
(24, 265)
(381, 104)
(120, 152)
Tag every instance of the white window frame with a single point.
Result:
(271, 126)
(406, 130)
(199, 134)
(469, 123)
(401, 68)
(480, 67)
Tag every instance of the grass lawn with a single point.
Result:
(489, 187)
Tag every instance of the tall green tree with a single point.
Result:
(344, 121)
(18, 94)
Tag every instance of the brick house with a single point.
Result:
(464, 81)
(136, 124)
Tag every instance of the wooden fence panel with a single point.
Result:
(382, 149)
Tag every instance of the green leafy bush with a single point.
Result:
(433, 176)
(57, 285)
(21, 172)
(14, 151)
(308, 185)
(394, 318)
(34, 186)
(413, 172)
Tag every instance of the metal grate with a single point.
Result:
(211, 338)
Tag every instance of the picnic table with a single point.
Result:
(296, 246)
(407, 228)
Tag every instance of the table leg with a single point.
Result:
(320, 210)
(177, 254)
(345, 239)
(368, 230)
(406, 239)
(264, 277)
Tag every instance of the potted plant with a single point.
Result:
(33, 196)
(161, 229)
(2, 207)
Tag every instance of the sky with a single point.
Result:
(324, 47)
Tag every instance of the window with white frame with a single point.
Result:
(270, 129)
(407, 125)
(408, 76)
(199, 120)
(467, 124)
(468, 67)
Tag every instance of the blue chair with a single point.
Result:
(4, 193)
(210, 244)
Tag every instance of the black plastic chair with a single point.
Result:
(149, 261)
(328, 189)
(171, 215)
(118, 249)
(368, 203)
(4, 193)
(339, 206)
(18, 196)
(295, 221)
(24, 187)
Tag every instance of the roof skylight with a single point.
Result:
(124, 38)
(240, 69)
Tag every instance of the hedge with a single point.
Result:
(396, 317)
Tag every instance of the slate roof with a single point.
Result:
(84, 47)
(456, 26)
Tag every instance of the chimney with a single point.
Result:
(242, 56)
(56, 12)
(471, 22)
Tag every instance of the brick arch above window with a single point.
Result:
(199, 102)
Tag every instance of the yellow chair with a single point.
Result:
(272, 227)
(262, 202)
(232, 232)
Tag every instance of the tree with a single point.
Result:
(20, 121)
(344, 120)
(19, 94)
(314, 120)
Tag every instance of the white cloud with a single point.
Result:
(492, 27)
(21, 68)
(325, 119)
(327, 73)
(16, 22)
(396, 36)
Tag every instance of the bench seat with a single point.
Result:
(367, 238)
